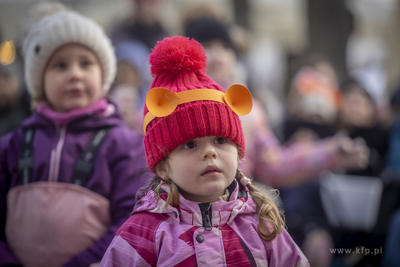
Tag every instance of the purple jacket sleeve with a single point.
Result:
(7, 257)
(129, 172)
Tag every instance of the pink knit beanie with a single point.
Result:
(178, 64)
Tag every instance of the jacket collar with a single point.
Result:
(222, 212)
(101, 114)
(98, 107)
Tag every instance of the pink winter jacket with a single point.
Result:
(223, 233)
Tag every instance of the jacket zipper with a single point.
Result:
(56, 153)
(206, 214)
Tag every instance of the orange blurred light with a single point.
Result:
(7, 53)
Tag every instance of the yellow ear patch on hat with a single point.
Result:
(239, 99)
(162, 102)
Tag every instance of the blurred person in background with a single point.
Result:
(358, 118)
(393, 157)
(70, 172)
(391, 256)
(317, 110)
(390, 212)
(312, 104)
(367, 60)
(144, 24)
(132, 82)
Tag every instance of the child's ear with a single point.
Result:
(161, 170)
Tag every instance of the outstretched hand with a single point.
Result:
(352, 154)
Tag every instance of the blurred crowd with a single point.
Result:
(334, 140)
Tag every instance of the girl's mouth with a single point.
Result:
(211, 170)
(76, 92)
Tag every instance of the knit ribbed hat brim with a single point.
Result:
(189, 121)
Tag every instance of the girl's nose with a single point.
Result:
(209, 152)
(75, 72)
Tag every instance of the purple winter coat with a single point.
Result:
(156, 235)
(118, 172)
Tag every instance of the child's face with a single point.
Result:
(357, 109)
(202, 168)
(72, 78)
(127, 74)
(221, 60)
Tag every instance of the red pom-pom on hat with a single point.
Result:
(173, 55)
(179, 64)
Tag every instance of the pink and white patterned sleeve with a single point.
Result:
(268, 161)
(121, 254)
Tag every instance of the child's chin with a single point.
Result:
(78, 105)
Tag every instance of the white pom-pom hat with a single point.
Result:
(59, 29)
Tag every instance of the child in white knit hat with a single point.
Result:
(70, 172)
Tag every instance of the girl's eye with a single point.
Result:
(189, 145)
(86, 63)
(220, 140)
(60, 65)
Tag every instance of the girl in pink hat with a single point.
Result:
(199, 209)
